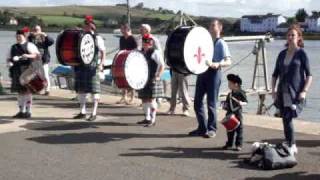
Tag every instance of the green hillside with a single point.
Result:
(110, 11)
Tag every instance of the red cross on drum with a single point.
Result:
(188, 48)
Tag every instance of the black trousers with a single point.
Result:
(236, 135)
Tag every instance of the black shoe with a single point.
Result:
(80, 116)
(143, 122)
(197, 132)
(226, 147)
(150, 124)
(92, 118)
(19, 115)
(26, 115)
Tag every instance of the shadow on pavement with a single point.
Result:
(2, 121)
(289, 176)
(64, 126)
(96, 137)
(180, 152)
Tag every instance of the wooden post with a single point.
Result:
(256, 65)
(265, 66)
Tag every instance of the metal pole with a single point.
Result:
(128, 13)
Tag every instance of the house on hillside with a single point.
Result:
(261, 23)
(13, 21)
(313, 23)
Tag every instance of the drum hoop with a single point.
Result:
(114, 65)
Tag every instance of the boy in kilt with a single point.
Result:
(154, 87)
(87, 76)
(233, 105)
(19, 59)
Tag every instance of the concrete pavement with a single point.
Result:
(54, 146)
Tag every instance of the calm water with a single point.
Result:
(238, 51)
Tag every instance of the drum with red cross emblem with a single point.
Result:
(188, 48)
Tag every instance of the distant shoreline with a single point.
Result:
(306, 36)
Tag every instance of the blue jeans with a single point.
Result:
(287, 117)
(207, 83)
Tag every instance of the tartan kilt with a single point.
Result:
(87, 79)
(15, 73)
(153, 89)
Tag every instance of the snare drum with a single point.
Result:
(188, 48)
(33, 80)
(130, 69)
(230, 122)
(75, 47)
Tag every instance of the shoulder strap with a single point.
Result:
(233, 109)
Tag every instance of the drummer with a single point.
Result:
(154, 88)
(87, 77)
(19, 59)
(209, 83)
(146, 29)
(127, 42)
(234, 102)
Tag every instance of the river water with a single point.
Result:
(238, 51)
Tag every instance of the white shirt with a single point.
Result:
(158, 58)
(100, 43)
(31, 48)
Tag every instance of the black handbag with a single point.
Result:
(278, 157)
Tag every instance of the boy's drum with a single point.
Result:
(75, 47)
(230, 122)
(188, 48)
(130, 69)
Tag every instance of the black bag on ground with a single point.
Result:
(271, 157)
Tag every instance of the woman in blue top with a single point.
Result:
(293, 71)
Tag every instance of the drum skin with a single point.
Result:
(188, 48)
(68, 48)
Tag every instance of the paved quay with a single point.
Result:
(52, 145)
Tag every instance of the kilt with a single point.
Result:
(15, 73)
(153, 89)
(87, 79)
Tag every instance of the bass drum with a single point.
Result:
(188, 48)
(75, 47)
(130, 69)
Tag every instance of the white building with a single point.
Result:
(13, 21)
(313, 23)
(261, 23)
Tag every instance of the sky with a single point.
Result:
(214, 8)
